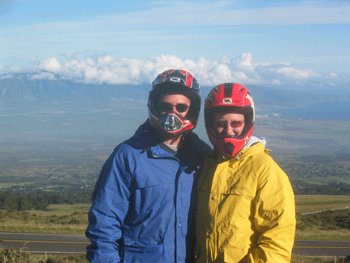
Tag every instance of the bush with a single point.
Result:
(12, 255)
(328, 220)
(18, 256)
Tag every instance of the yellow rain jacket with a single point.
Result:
(245, 211)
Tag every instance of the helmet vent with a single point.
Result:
(228, 91)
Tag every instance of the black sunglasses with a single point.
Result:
(167, 107)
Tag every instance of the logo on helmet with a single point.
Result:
(227, 101)
(175, 79)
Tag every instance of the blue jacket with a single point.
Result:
(143, 202)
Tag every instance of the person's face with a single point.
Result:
(176, 103)
(228, 124)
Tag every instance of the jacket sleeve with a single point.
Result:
(274, 216)
(110, 202)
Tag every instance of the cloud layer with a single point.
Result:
(241, 69)
(123, 45)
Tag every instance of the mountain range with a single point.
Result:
(64, 111)
(22, 91)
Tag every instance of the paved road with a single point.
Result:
(49, 243)
(322, 248)
(76, 244)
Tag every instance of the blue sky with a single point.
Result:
(300, 43)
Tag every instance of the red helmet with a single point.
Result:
(174, 82)
(233, 98)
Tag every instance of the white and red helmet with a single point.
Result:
(235, 98)
(174, 81)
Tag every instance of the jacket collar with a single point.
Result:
(151, 138)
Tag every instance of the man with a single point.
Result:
(142, 207)
(246, 209)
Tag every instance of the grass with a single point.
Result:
(310, 259)
(61, 210)
(315, 180)
(9, 185)
(38, 228)
(58, 219)
(20, 256)
(72, 219)
(63, 219)
(309, 203)
(317, 234)
(315, 226)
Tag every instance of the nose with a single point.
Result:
(173, 108)
(228, 130)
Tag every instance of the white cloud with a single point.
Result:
(172, 14)
(110, 70)
(165, 25)
(43, 75)
(281, 73)
(244, 62)
(6, 76)
(2, 68)
(50, 64)
(15, 69)
(181, 13)
(293, 73)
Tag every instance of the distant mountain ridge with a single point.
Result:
(22, 91)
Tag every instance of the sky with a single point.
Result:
(272, 43)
